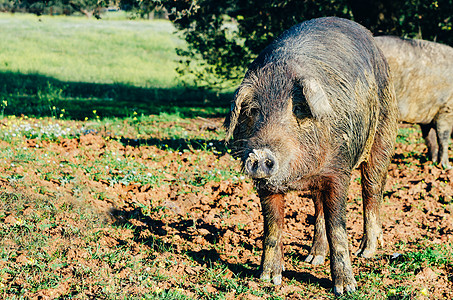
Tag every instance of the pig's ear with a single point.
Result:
(316, 98)
(242, 96)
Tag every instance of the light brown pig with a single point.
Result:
(422, 72)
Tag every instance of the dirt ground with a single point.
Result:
(221, 221)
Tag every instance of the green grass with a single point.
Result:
(407, 135)
(412, 262)
(70, 66)
(401, 268)
(73, 49)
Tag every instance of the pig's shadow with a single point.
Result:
(218, 146)
(204, 257)
(307, 278)
(401, 158)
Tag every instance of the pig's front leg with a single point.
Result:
(272, 263)
(335, 194)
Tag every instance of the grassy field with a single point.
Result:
(77, 65)
(136, 53)
(115, 183)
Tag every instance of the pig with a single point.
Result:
(422, 74)
(315, 104)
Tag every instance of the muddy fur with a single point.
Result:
(315, 104)
(422, 73)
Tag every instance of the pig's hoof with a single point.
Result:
(317, 253)
(369, 246)
(446, 166)
(315, 259)
(365, 253)
(276, 278)
(265, 276)
(345, 286)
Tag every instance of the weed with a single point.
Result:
(416, 260)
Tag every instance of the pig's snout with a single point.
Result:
(261, 164)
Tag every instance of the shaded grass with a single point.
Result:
(44, 96)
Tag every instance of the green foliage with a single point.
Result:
(227, 35)
(88, 8)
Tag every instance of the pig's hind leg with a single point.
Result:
(430, 136)
(444, 124)
(374, 176)
(320, 247)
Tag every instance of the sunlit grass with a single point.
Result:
(67, 67)
(139, 53)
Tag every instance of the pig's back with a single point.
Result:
(422, 73)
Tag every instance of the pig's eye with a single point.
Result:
(250, 115)
(253, 111)
(301, 110)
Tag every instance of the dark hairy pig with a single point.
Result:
(422, 73)
(315, 104)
